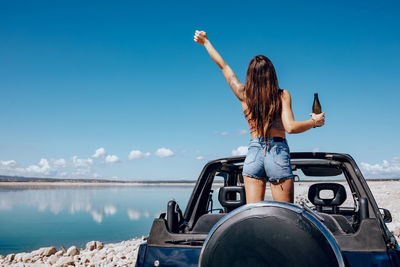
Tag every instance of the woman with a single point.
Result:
(268, 111)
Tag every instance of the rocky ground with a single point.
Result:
(94, 254)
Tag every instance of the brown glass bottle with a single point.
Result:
(316, 108)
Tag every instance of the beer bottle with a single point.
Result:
(316, 108)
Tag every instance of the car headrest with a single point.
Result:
(339, 194)
(228, 196)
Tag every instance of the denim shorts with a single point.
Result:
(275, 165)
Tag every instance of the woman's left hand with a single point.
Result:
(319, 119)
(200, 37)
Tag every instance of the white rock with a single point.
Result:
(10, 257)
(72, 251)
(65, 261)
(35, 258)
(99, 245)
(52, 259)
(99, 257)
(130, 255)
(59, 253)
(27, 258)
(18, 257)
(35, 252)
(48, 251)
(85, 259)
(91, 245)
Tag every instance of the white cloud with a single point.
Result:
(76, 168)
(112, 159)
(200, 157)
(59, 163)
(100, 153)
(8, 163)
(164, 153)
(242, 132)
(224, 133)
(45, 167)
(384, 170)
(79, 163)
(137, 154)
(315, 149)
(42, 168)
(241, 150)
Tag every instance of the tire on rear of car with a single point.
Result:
(270, 234)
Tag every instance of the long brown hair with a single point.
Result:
(263, 96)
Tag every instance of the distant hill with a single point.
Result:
(17, 179)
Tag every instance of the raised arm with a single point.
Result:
(293, 126)
(237, 87)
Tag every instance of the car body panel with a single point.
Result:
(173, 257)
(364, 259)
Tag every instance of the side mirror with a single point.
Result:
(386, 216)
(296, 178)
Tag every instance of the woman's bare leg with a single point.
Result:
(255, 189)
(282, 190)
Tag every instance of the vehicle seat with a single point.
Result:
(228, 197)
(336, 223)
(339, 196)
(206, 222)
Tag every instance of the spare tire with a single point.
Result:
(270, 234)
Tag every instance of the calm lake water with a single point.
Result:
(36, 217)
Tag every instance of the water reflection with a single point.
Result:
(58, 200)
(36, 217)
(135, 215)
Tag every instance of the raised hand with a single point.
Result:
(200, 37)
(319, 119)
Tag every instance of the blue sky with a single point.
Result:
(122, 76)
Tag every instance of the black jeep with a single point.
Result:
(335, 221)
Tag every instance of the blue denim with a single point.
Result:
(275, 165)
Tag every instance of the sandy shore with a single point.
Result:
(387, 195)
(124, 253)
